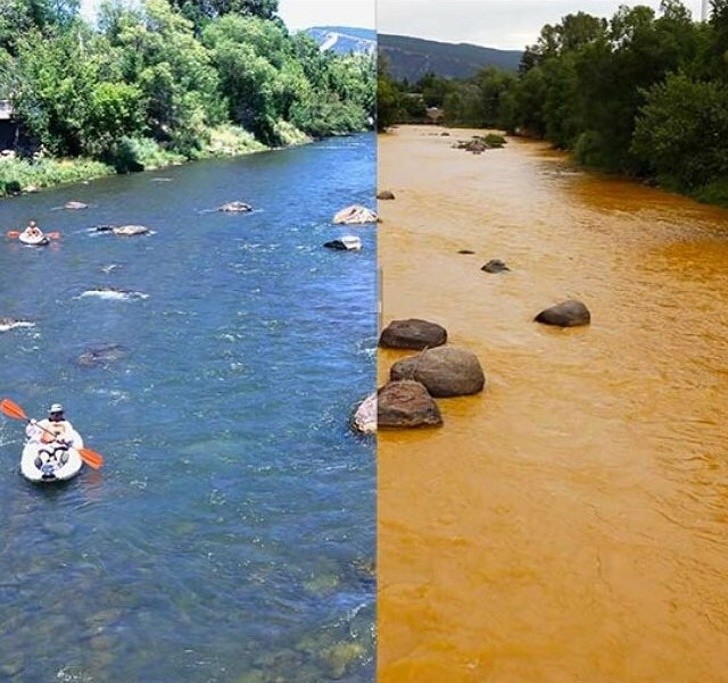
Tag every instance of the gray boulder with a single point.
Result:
(570, 313)
(406, 404)
(413, 333)
(445, 371)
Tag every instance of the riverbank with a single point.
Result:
(577, 504)
(22, 176)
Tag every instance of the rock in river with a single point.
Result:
(101, 356)
(364, 419)
(495, 265)
(75, 205)
(355, 215)
(569, 313)
(131, 230)
(406, 404)
(445, 371)
(385, 194)
(412, 333)
(345, 243)
(10, 323)
(235, 207)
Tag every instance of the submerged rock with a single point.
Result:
(466, 251)
(569, 313)
(355, 215)
(412, 333)
(75, 205)
(406, 403)
(444, 371)
(385, 194)
(101, 356)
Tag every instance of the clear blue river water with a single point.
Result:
(230, 535)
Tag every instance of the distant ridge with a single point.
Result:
(344, 40)
(412, 58)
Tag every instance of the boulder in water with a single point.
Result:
(75, 205)
(385, 194)
(406, 403)
(364, 419)
(412, 333)
(346, 243)
(355, 215)
(444, 371)
(495, 265)
(235, 207)
(101, 356)
(569, 313)
(466, 251)
(131, 230)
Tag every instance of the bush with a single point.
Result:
(494, 140)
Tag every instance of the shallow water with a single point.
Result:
(571, 522)
(230, 535)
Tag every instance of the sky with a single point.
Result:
(503, 24)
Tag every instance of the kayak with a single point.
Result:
(34, 241)
(46, 463)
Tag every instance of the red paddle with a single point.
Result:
(12, 409)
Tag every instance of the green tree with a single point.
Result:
(682, 131)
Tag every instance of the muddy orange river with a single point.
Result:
(570, 523)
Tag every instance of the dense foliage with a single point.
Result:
(642, 93)
(172, 77)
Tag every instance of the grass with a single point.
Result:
(21, 175)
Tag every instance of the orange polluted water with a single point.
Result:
(571, 522)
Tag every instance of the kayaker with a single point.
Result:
(32, 231)
(54, 428)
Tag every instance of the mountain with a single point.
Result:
(344, 39)
(412, 58)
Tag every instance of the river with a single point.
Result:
(230, 534)
(570, 523)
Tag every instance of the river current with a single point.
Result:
(230, 535)
(570, 523)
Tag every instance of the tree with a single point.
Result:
(682, 131)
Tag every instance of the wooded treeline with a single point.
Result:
(643, 93)
(156, 77)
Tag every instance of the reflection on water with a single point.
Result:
(569, 524)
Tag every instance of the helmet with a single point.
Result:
(56, 408)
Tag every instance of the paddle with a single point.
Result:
(12, 409)
(55, 235)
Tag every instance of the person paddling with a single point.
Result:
(54, 428)
(32, 231)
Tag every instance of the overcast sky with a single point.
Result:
(306, 13)
(504, 24)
